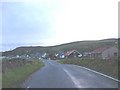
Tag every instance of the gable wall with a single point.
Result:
(109, 53)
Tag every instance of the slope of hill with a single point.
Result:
(81, 46)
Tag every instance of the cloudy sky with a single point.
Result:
(53, 22)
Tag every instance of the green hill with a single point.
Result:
(81, 46)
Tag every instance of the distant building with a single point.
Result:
(44, 55)
(72, 53)
(87, 54)
(61, 54)
(105, 53)
(37, 54)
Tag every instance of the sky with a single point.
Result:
(54, 22)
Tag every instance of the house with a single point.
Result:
(45, 55)
(72, 53)
(105, 53)
(37, 54)
(61, 54)
(86, 54)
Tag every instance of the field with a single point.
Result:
(108, 67)
(14, 72)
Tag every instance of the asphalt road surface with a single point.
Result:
(55, 75)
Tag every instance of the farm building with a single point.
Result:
(105, 53)
(72, 53)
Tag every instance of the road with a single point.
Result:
(55, 75)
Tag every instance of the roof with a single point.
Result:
(69, 52)
(101, 49)
(61, 53)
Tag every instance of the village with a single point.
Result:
(99, 53)
(108, 52)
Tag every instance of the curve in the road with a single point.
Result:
(55, 75)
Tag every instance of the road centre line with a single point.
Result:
(27, 87)
(75, 81)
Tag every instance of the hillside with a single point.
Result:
(81, 46)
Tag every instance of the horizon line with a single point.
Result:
(51, 45)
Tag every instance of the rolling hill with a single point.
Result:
(81, 46)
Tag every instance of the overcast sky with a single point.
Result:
(53, 22)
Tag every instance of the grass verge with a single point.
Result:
(14, 77)
(108, 67)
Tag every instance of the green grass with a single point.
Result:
(14, 77)
(108, 67)
(0, 80)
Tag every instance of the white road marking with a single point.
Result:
(99, 73)
(27, 87)
(75, 81)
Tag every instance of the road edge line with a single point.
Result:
(99, 73)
